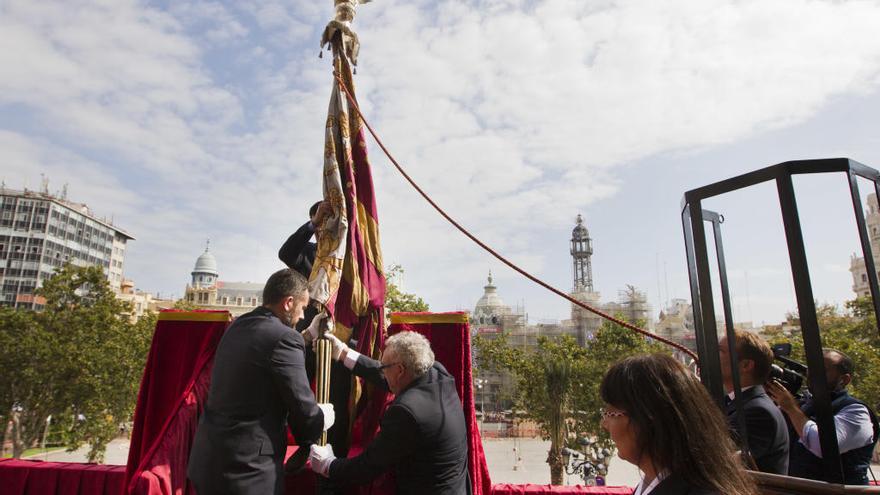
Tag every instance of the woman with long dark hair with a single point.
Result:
(662, 420)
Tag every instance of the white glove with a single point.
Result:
(321, 456)
(329, 415)
(311, 332)
(338, 348)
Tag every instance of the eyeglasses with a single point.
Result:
(606, 414)
(386, 366)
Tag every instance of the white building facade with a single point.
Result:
(40, 232)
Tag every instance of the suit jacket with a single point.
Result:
(298, 252)
(675, 485)
(766, 427)
(258, 384)
(423, 437)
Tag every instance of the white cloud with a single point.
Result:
(513, 115)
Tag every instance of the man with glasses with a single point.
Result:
(855, 424)
(423, 438)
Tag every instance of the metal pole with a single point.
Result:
(867, 252)
(701, 293)
(809, 326)
(743, 436)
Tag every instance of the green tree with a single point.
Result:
(854, 332)
(546, 380)
(557, 384)
(397, 300)
(185, 305)
(26, 392)
(80, 361)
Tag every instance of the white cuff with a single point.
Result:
(328, 413)
(351, 358)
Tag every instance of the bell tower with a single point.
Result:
(581, 252)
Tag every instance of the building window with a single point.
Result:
(864, 277)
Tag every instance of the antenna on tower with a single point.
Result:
(64, 192)
(44, 184)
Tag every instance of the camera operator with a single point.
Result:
(855, 423)
(766, 430)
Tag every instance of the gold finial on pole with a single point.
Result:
(345, 12)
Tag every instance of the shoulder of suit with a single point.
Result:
(676, 484)
(268, 326)
(440, 368)
(401, 410)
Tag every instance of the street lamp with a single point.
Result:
(480, 382)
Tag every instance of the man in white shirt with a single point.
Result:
(855, 423)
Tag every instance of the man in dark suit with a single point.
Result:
(766, 429)
(423, 437)
(258, 384)
(298, 253)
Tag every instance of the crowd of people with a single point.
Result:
(659, 415)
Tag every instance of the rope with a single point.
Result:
(491, 251)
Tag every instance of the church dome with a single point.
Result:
(490, 307)
(490, 298)
(206, 264)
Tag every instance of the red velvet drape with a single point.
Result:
(450, 339)
(505, 489)
(173, 391)
(59, 478)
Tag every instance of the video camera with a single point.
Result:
(791, 373)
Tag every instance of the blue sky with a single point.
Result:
(189, 120)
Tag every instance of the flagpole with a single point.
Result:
(323, 356)
(348, 46)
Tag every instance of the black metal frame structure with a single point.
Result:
(693, 222)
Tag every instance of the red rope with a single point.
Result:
(492, 251)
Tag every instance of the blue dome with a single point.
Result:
(206, 264)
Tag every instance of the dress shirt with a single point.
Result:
(854, 430)
(732, 394)
(645, 490)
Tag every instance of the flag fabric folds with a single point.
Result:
(347, 277)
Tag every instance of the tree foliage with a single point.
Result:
(853, 332)
(397, 300)
(184, 305)
(557, 383)
(79, 361)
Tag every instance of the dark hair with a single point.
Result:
(314, 209)
(750, 346)
(284, 283)
(844, 363)
(675, 422)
